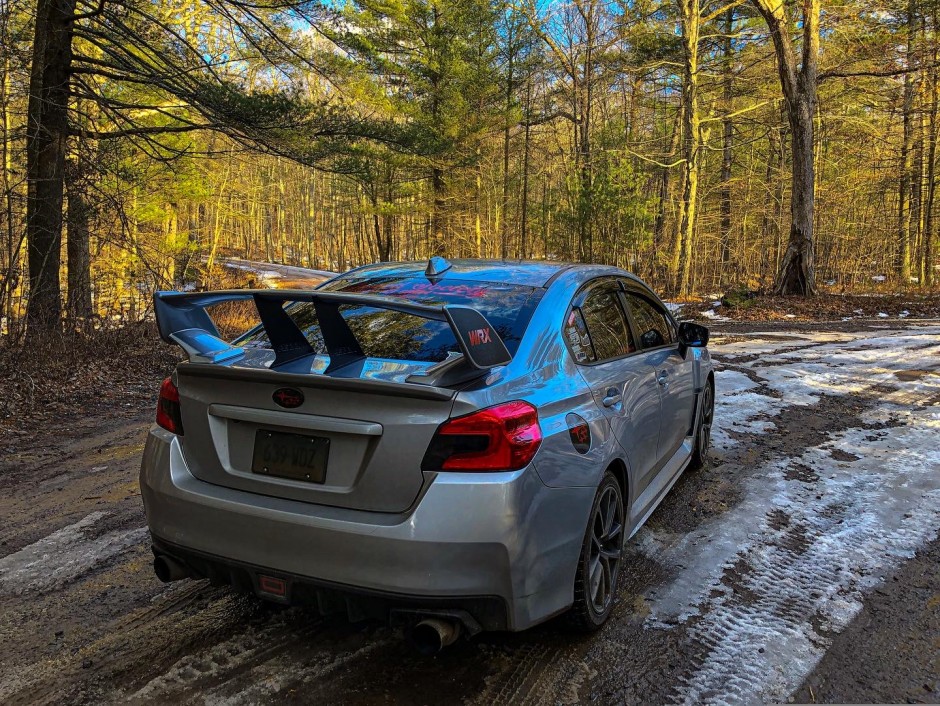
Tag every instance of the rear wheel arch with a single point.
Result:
(618, 469)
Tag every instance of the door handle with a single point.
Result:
(612, 397)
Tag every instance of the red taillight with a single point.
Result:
(500, 438)
(168, 408)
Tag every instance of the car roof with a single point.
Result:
(532, 273)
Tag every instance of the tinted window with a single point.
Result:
(579, 341)
(653, 326)
(389, 334)
(606, 324)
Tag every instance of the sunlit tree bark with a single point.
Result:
(798, 79)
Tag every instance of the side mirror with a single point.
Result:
(693, 335)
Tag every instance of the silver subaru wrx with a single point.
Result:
(458, 446)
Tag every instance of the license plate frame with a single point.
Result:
(299, 457)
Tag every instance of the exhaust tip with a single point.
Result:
(168, 569)
(432, 635)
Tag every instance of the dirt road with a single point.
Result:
(813, 530)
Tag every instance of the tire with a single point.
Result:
(703, 431)
(595, 583)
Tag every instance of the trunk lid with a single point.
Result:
(377, 433)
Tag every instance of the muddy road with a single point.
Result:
(812, 531)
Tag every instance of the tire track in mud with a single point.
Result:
(127, 652)
(63, 556)
(128, 646)
(520, 679)
(791, 589)
(538, 674)
(531, 674)
(225, 661)
(192, 642)
(70, 480)
(559, 675)
(787, 591)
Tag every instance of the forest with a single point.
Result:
(764, 145)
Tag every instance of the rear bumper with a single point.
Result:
(473, 541)
(476, 612)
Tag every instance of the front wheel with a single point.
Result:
(703, 433)
(595, 584)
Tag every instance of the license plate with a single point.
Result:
(294, 456)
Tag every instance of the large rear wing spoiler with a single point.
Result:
(183, 320)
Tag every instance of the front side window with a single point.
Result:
(652, 324)
(607, 324)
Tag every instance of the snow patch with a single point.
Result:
(251, 667)
(799, 547)
(674, 307)
(710, 314)
(63, 556)
(800, 375)
(763, 587)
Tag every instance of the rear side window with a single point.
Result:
(579, 341)
(653, 326)
(607, 324)
(393, 335)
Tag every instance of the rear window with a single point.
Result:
(390, 334)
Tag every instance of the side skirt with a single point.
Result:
(657, 490)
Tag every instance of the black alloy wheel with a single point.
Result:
(599, 565)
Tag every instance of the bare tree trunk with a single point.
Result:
(724, 226)
(773, 205)
(377, 232)
(524, 218)
(903, 259)
(917, 178)
(215, 234)
(929, 221)
(799, 82)
(691, 143)
(477, 216)
(659, 224)
(388, 221)
(504, 231)
(797, 272)
(438, 234)
(9, 276)
(585, 97)
(46, 137)
(77, 246)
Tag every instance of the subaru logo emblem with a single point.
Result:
(288, 397)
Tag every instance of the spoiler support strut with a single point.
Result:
(182, 319)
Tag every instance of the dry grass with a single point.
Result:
(825, 307)
(75, 375)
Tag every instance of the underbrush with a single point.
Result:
(747, 306)
(66, 378)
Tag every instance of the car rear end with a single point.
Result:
(385, 480)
